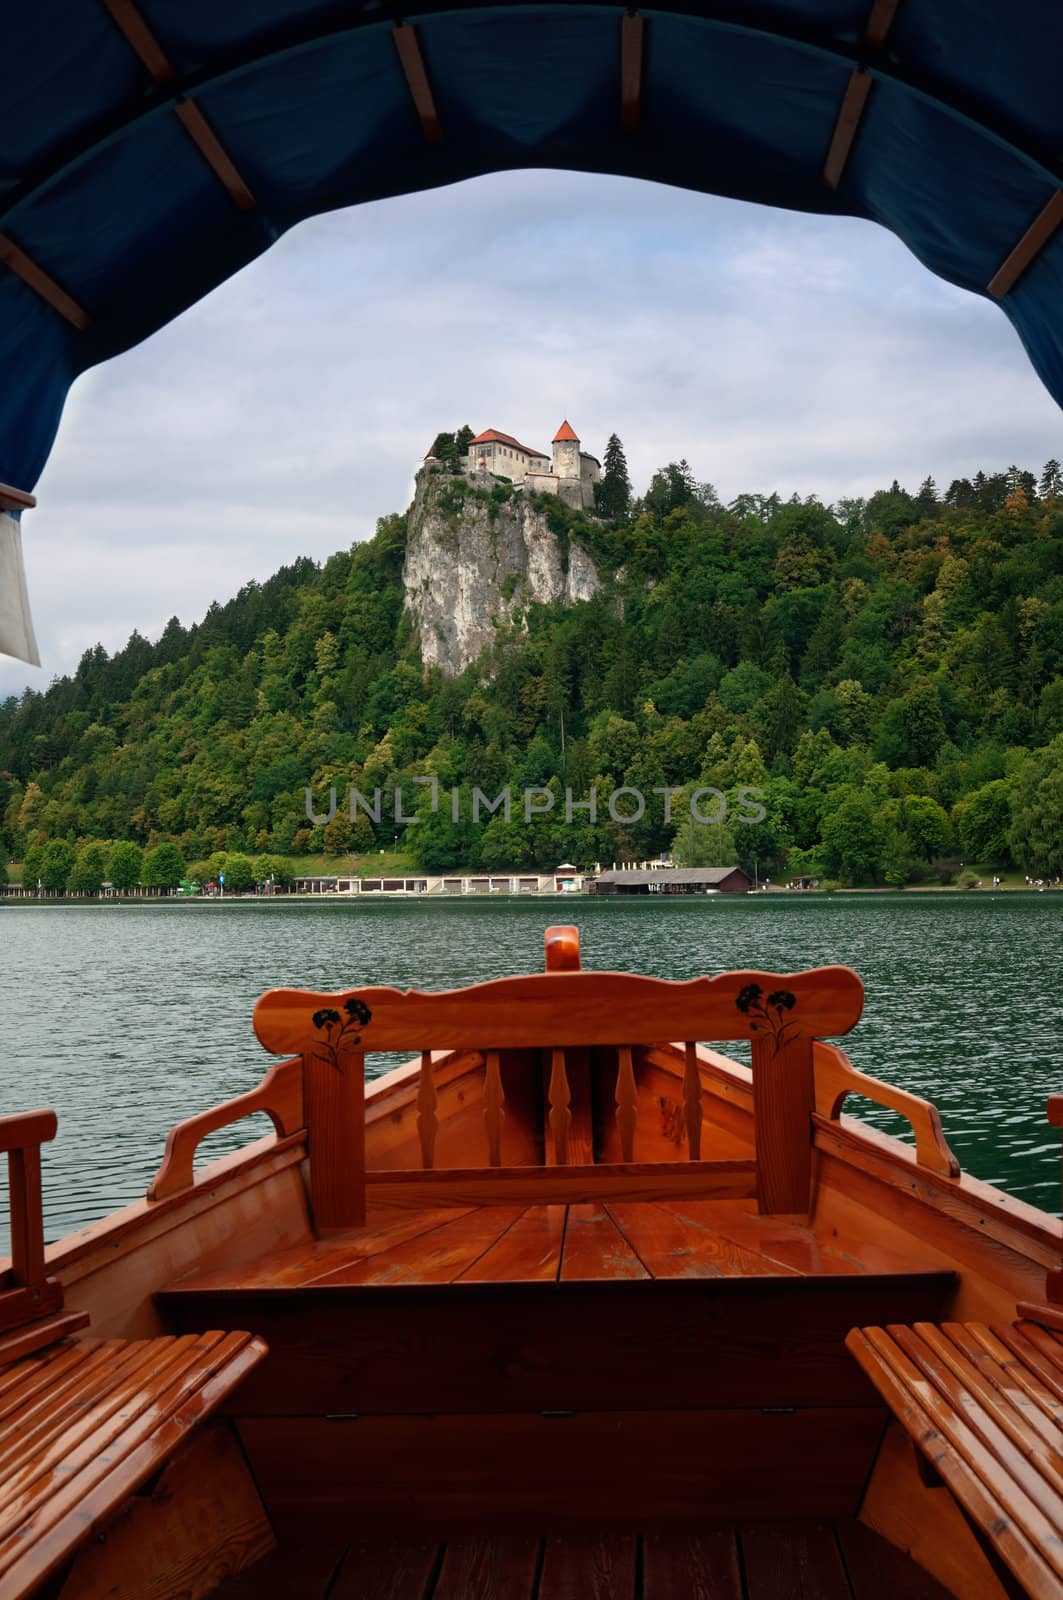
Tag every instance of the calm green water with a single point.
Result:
(126, 1018)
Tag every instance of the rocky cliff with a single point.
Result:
(475, 558)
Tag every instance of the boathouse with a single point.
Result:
(671, 880)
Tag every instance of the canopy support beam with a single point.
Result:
(35, 277)
(857, 90)
(1028, 248)
(139, 37)
(133, 28)
(214, 153)
(416, 75)
(632, 30)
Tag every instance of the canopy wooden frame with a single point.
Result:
(866, 61)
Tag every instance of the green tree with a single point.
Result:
(982, 822)
(614, 491)
(33, 866)
(339, 835)
(90, 869)
(274, 869)
(852, 836)
(1036, 832)
(925, 826)
(125, 866)
(58, 865)
(704, 844)
(1051, 485)
(898, 858)
(239, 873)
(164, 867)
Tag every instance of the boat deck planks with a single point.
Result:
(792, 1560)
(555, 1243)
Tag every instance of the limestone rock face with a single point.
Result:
(473, 562)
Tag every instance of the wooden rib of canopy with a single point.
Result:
(632, 29)
(138, 35)
(416, 75)
(35, 278)
(856, 94)
(1033, 241)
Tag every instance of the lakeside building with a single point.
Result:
(671, 880)
(564, 880)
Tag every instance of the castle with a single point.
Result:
(570, 473)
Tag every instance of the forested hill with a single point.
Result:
(889, 672)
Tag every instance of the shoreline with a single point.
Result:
(378, 897)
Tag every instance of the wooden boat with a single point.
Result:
(568, 1305)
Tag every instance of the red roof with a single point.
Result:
(492, 436)
(565, 432)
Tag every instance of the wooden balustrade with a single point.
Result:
(32, 1293)
(563, 1014)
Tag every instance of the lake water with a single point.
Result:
(127, 1018)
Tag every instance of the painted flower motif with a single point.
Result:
(339, 1033)
(748, 996)
(768, 1015)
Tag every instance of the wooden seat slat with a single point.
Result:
(1002, 1429)
(1004, 1358)
(1003, 1470)
(92, 1421)
(1046, 1342)
(23, 1378)
(81, 1385)
(1031, 1357)
(116, 1414)
(1006, 1378)
(952, 1449)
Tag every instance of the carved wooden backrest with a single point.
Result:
(780, 1014)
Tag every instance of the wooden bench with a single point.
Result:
(984, 1408)
(86, 1423)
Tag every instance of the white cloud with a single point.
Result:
(282, 415)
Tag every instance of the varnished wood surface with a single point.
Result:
(84, 1424)
(570, 1471)
(279, 1095)
(793, 1560)
(563, 1243)
(984, 1406)
(565, 1009)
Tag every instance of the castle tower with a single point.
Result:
(566, 452)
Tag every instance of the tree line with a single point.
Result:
(888, 670)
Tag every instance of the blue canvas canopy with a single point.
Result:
(152, 147)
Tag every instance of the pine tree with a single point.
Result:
(1051, 485)
(614, 491)
(927, 498)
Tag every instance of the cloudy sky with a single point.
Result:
(281, 416)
